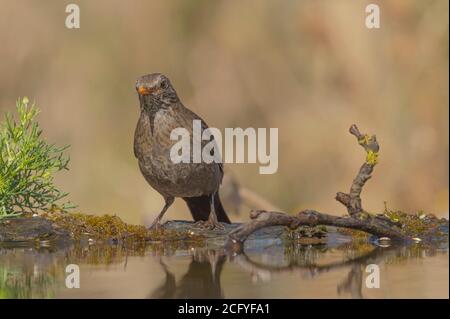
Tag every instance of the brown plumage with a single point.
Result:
(197, 183)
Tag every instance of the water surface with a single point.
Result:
(268, 270)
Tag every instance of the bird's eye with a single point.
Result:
(164, 85)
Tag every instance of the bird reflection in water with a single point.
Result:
(202, 279)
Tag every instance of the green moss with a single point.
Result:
(420, 225)
(111, 227)
(357, 235)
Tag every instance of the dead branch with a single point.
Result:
(357, 219)
(352, 200)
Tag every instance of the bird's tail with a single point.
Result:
(200, 207)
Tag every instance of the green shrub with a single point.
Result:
(27, 165)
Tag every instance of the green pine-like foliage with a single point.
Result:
(27, 164)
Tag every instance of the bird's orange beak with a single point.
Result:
(142, 90)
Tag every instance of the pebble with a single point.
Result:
(383, 242)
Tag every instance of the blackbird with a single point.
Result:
(196, 183)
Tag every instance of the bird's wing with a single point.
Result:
(138, 135)
(188, 116)
(204, 127)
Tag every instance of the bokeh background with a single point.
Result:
(310, 68)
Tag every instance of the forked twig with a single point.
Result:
(357, 218)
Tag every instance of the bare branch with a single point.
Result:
(353, 200)
(261, 219)
(358, 219)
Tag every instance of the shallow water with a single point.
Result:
(265, 270)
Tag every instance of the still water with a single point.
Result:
(265, 270)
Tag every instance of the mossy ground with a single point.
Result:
(112, 228)
(418, 225)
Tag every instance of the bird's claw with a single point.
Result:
(155, 226)
(209, 224)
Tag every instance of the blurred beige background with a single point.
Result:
(310, 68)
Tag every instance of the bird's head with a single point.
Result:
(155, 90)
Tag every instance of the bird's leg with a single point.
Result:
(157, 222)
(212, 222)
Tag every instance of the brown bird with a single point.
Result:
(197, 183)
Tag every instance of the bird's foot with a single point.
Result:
(155, 226)
(209, 224)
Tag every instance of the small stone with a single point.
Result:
(383, 242)
(44, 243)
